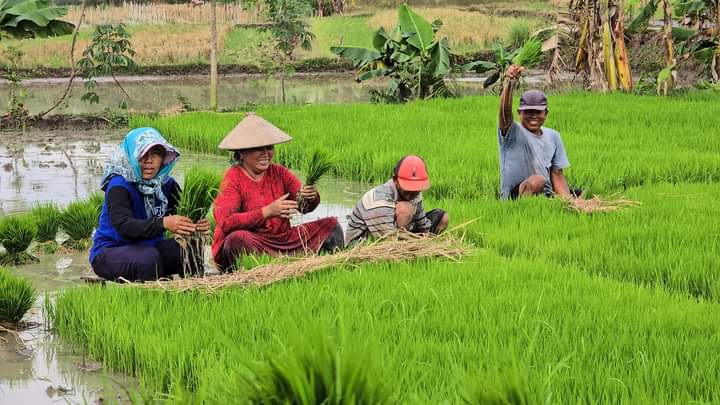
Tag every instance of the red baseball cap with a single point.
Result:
(411, 174)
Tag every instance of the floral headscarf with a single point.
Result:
(125, 162)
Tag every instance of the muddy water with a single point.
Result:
(161, 93)
(61, 166)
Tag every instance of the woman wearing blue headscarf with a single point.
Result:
(140, 204)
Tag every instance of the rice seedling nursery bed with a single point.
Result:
(553, 306)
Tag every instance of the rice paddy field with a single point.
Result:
(552, 306)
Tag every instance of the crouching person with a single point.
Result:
(140, 202)
(396, 205)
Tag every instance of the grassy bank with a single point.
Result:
(556, 306)
(188, 44)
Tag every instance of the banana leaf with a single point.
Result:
(359, 56)
(419, 32)
(440, 58)
(642, 20)
(30, 18)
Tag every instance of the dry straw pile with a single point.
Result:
(392, 248)
(598, 204)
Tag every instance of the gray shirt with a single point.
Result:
(523, 154)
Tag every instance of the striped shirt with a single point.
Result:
(374, 214)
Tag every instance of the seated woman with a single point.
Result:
(140, 202)
(257, 197)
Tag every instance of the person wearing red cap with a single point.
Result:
(532, 157)
(395, 205)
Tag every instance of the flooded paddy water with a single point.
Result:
(60, 167)
(160, 93)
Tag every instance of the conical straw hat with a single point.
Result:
(253, 132)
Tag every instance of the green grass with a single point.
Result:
(17, 296)
(553, 306)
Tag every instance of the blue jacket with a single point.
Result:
(106, 235)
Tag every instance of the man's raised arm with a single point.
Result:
(506, 114)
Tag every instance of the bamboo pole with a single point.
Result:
(213, 56)
(668, 84)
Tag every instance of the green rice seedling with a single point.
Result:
(312, 371)
(529, 55)
(197, 196)
(16, 235)
(319, 164)
(245, 262)
(47, 218)
(17, 296)
(78, 221)
(518, 33)
(97, 200)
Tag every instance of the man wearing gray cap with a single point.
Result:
(532, 157)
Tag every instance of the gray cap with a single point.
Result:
(533, 100)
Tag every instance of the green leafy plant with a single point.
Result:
(414, 60)
(32, 18)
(78, 220)
(16, 235)
(249, 261)
(518, 33)
(47, 219)
(109, 50)
(16, 93)
(289, 30)
(17, 296)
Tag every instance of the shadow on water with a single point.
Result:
(62, 166)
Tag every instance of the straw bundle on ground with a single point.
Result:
(598, 204)
(393, 248)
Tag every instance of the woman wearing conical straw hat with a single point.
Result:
(257, 198)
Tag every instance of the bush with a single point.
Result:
(17, 296)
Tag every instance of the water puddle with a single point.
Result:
(65, 165)
(60, 167)
(35, 367)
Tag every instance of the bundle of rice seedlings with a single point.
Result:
(17, 296)
(317, 166)
(96, 200)
(16, 235)
(598, 204)
(78, 221)
(198, 194)
(529, 55)
(401, 246)
(312, 371)
(47, 219)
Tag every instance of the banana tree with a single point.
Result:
(32, 18)
(414, 60)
